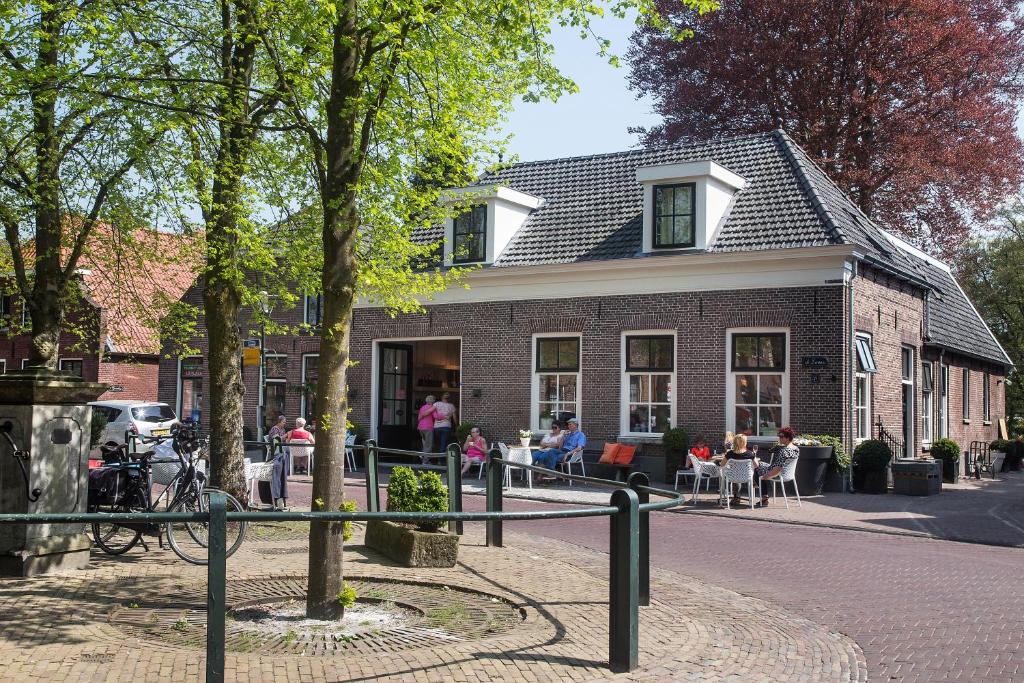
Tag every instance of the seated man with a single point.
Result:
(573, 442)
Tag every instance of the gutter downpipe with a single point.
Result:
(851, 395)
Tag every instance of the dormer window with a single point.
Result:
(470, 235)
(675, 224)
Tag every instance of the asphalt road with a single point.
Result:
(921, 609)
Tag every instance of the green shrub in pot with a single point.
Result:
(948, 451)
(840, 458)
(1000, 445)
(409, 493)
(675, 440)
(872, 455)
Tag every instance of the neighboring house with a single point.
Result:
(112, 335)
(721, 286)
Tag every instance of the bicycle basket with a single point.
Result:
(108, 485)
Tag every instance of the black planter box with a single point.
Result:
(835, 480)
(870, 481)
(812, 469)
(917, 477)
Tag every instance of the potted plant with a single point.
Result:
(676, 442)
(422, 544)
(948, 451)
(998, 450)
(813, 466)
(870, 462)
(524, 437)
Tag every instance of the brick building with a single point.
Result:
(720, 286)
(112, 335)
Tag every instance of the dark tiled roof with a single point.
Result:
(594, 206)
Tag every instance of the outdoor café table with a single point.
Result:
(522, 454)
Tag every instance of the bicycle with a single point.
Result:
(126, 486)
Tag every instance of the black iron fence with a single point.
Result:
(628, 510)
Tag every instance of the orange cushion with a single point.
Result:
(609, 453)
(625, 454)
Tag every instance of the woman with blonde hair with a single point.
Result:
(738, 452)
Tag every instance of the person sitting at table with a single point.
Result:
(297, 436)
(782, 455)
(699, 450)
(738, 452)
(573, 442)
(728, 441)
(554, 438)
(475, 449)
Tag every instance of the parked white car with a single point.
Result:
(145, 418)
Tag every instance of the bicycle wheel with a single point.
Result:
(115, 539)
(190, 540)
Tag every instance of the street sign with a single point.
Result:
(250, 356)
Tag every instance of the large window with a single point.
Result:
(674, 216)
(72, 366)
(310, 364)
(274, 388)
(190, 383)
(757, 382)
(986, 397)
(944, 402)
(966, 394)
(927, 402)
(470, 236)
(557, 370)
(907, 386)
(862, 386)
(314, 313)
(648, 376)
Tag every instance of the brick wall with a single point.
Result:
(138, 377)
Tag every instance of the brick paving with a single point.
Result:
(62, 628)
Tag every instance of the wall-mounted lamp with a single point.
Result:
(476, 393)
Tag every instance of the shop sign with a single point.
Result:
(814, 362)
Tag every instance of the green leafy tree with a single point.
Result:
(375, 89)
(74, 145)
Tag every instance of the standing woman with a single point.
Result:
(444, 420)
(425, 425)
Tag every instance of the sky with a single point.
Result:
(592, 121)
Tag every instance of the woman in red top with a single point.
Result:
(700, 450)
(300, 435)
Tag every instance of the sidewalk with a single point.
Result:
(142, 617)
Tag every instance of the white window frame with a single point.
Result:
(305, 309)
(908, 389)
(181, 388)
(624, 375)
(61, 361)
(865, 368)
(927, 404)
(943, 401)
(303, 411)
(24, 363)
(965, 395)
(986, 397)
(730, 376)
(3, 366)
(535, 375)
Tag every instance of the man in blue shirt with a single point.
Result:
(574, 442)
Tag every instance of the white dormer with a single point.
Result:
(685, 204)
(491, 216)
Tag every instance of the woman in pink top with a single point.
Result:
(475, 448)
(425, 425)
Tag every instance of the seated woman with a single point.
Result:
(699, 451)
(301, 435)
(475, 449)
(738, 452)
(782, 455)
(550, 444)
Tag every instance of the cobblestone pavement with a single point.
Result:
(71, 627)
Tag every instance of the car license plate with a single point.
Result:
(161, 432)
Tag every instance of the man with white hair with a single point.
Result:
(300, 435)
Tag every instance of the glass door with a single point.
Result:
(395, 427)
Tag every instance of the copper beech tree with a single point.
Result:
(909, 105)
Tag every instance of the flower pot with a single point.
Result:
(812, 469)
(835, 480)
(411, 547)
(951, 471)
(524, 442)
(870, 481)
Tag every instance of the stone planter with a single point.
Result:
(812, 469)
(835, 480)
(998, 458)
(411, 547)
(950, 471)
(870, 481)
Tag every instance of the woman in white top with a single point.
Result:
(554, 438)
(444, 420)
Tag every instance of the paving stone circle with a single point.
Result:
(441, 616)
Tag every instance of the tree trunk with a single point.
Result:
(341, 222)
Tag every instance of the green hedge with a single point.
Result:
(409, 493)
(872, 455)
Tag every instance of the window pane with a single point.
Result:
(639, 418)
(661, 354)
(664, 200)
(770, 390)
(567, 387)
(569, 408)
(862, 391)
(746, 352)
(638, 352)
(547, 352)
(770, 419)
(661, 386)
(568, 354)
(639, 388)
(907, 357)
(683, 232)
(683, 200)
(745, 420)
(746, 389)
(275, 366)
(665, 229)
(773, 351)
(661, 418)
(926, 377)
(547, 387)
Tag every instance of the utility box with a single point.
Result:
(44, 467)
(917, 477)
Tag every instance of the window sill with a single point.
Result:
(987, 423)
(967, 422)
(639, 436)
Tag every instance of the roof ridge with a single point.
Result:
(629, 152)
(789, 149)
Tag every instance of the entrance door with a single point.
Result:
(395, 427)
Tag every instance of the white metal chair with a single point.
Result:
(738, 472)
(256, 472)
(304, 451)
(681, 472)
(566, 465)
(350, 456)
(515, 455)
(788, 474)
(705, 471)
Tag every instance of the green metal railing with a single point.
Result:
(628, 510)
